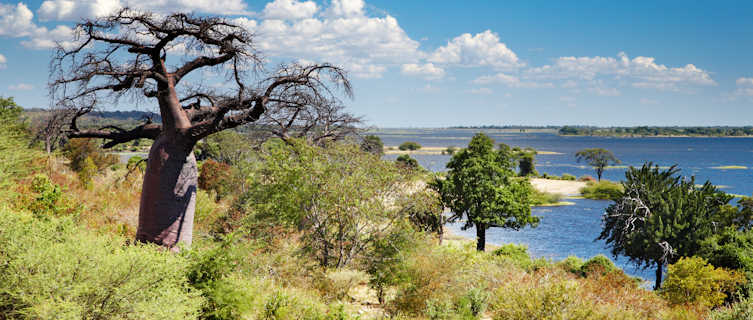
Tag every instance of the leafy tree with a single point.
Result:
(661, 217)
(693, 280)
(373, 144)
(526, 159)
(598, 158)
(405, 161)
(128, 54)
(409, 146)
(424, 211)
(481, 186)
(336, 196)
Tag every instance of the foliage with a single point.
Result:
(450, 150)
(136, 162)
(526, 159)
(661, 218)
(373, 144)
(602, 190)
(47, 198)
(336, 284)
(693, 281)
(87, 173)
(227, 146)
(405, 161)
(424, 210)
(539, 198)
(568, 177)
(217, 177)
(409, 146)
(731, 249)
(14, 154)
(77, 150)
(646, 131)
(598, 158)
(738, 311)
(480, 186)
(322, 192)
(53, 269)
(598, 264)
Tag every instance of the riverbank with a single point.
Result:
(566, 188)
(441, 150)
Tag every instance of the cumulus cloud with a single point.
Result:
(17, 22)
(482, 49)
(744, 82)
(641, 72)
(510, 81)
(72, 10)
(21, 86)
(346, 36)
(429, 71)
(744, 89)
(289, 9)
(3, 61)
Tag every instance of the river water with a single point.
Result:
(572, 230)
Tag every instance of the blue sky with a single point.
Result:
(443, 63)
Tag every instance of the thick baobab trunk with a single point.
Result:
(168, 196)
(480, 237)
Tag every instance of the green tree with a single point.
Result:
(526, 159)
(373, 144)
(409, 146)
(481, 186)
(405, 161)
(14, 154)
(661, 217)
(598, 158)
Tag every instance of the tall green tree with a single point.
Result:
(481, 186)
(598, 158)
(662, 217)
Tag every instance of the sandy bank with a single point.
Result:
(563, 187)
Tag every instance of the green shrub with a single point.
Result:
(539, 198)
(136, 162)
(372, 144)
(87, 173)
(409, 146)
(450, 150)
(518, 254)
(47, 198)
(405, 161)
(693, 281)
(571, 264)
(568, 177)
(335, 284)
(547, 300)
(743, 309)
(52, 269)
(598, 264)
(602, 190)
(77, 150)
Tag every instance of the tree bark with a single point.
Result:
(480, 237)
(168, 195)
(659, 270)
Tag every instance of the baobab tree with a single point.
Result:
(149, 57)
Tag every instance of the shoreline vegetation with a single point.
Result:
(443, 150)
(658, 132)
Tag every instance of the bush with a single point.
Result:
(450, 150)
(568, 177)
(738, 311)
(336, 284)
(47, 198)
(693, 281)
(409, 146)
(598, 264)
(544, 300)
(539, 198)
(372, 144)
(53, 269)
(77, 150)
(587, 178)
(571, 264)
(405, 161)
(602, 190)
(217, 177)
(136, 162)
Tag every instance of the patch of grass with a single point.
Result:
(601, 190)
(539, 198)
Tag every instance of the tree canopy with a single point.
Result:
(598, 158)
(481, 186)
(662, 217)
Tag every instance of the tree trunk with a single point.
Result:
(657, 284)
(599, 171)
(168, 195)
(480, 237)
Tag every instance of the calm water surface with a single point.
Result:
(571, 230)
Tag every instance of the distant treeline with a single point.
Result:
(718, 131)
(114, 115)
(505, 127)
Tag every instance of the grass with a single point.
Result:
(601, 190)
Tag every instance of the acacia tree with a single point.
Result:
(481, 186)
(127, 53)
(661, 217)
(598, 158)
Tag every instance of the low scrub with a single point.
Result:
(602, 190)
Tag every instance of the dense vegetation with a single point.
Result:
(297, 231)
(646, 131)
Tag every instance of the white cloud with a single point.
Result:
(365, 45)
(15, 21)
(481, 91)
(290, 9)
(62, 35)
(429, 71)
(482, 49)
(346, 8)
(69, 10)
(3, 61)
(510, 81)
(609, 92)
(21, 86)
(642, 72)
(744, 82)
(72, 10)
